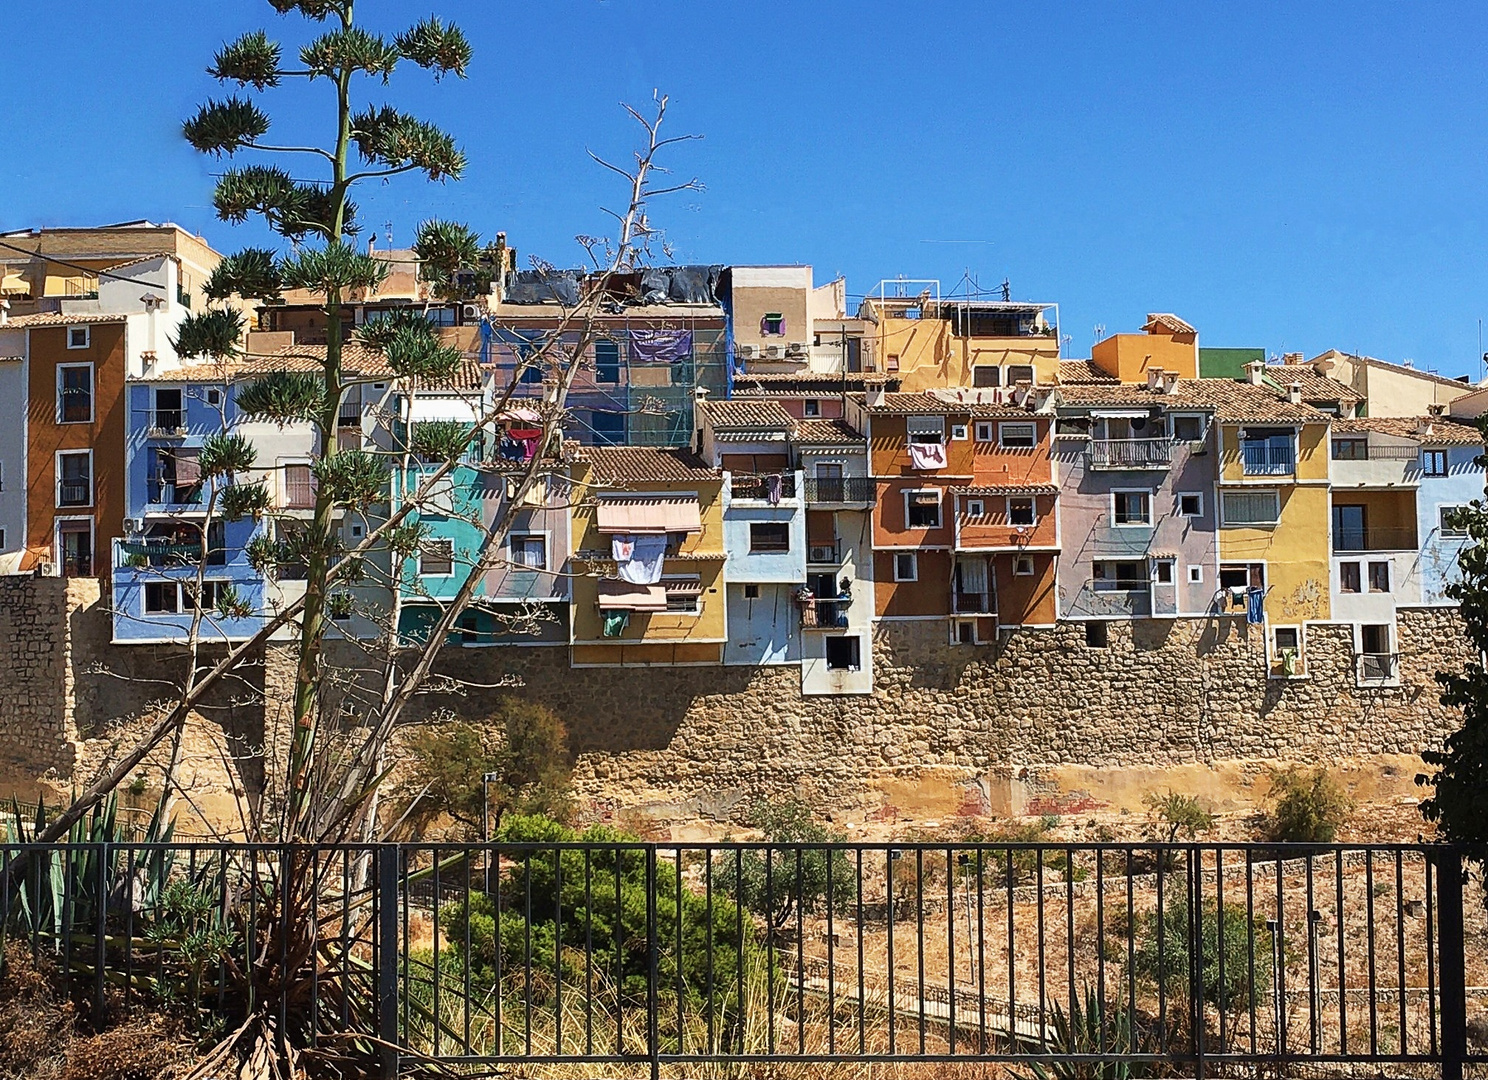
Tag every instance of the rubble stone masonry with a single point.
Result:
(1028, 723)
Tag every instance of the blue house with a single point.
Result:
(174, 562)
(1451, 477)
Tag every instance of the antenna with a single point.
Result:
(1007, 290)
(1099, 331)
(387, 227)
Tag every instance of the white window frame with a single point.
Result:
(1158, 564)
(695, 600)
(929, 426)
(431, 541)
(914, 565)
(1275, 650)
(976, 508)
(1191, 495)
(986, 431)
(939, 507)
(87, 336)
(92, 392)
(1115, 493)
(1173, 419)
(1022, 561)
(1196, 575)
(858, 648)
(511, 551)
(811, 408)
(1225, 496)
(57, 480)
(1008, 509)
(1441, 525)
(1017, 425)
(959, 433)
(58, 553)
(958, 625)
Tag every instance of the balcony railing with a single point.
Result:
(840, 489)
(1371, 539)
(167, 421)
(143, 554)
(74, 493)
(1266, 460)
(350, 415)
(1377, 667)
(1131, 453)
(170, 493)
(767, 488)
(829, 614)
(1358, 450)
(965, 603)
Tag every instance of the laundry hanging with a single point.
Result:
(774, 483)
(615, 623)
(927, 455)
(1255, 606)
(648, 553)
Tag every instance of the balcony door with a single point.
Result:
(75, 547)
(1349, 525)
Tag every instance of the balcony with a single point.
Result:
(141, 554)
(74, 493)
(1131, 453)
(164, 492)
(1268, 459)
(1377, 669)
(1371, 539)
(167, 424)
(825, 614)
(965, 603)
(769, 489)
(850, 490)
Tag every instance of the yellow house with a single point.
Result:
(1391, 390)
(1166, 342)
(928, 342)
(44, 264)
(636, 507)
(1273, 506)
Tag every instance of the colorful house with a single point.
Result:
(647, 570)
(1166, 342)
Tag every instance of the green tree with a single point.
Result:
(1181, 815)
(795, 871)
(1307, 807)
(1163, 950)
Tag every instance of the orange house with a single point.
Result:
(966, 527)
(1166, 342)
(75, 429)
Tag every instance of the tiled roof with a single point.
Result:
(811, 380)
(1428, 430)
(752, 413)
(1169, 321)
(826, 432)
(1007, 489)
(55, 318)
(1315, 387)
(928, 404)
(620, 463)
(355, 360)
(1082, 371)
(1231, 400)
(1404, 369)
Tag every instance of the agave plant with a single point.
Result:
(1090, 1027)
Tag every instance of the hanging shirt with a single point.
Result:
(1255, 606)
(648, 553)
(927, 455)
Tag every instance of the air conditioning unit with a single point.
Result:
(746, 352)
(134, 526)
(772, 352)
(471, 312)
(822, 554)
(47, 569)
(796, 348)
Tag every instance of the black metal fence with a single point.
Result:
(1216, 958)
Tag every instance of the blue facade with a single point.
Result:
(1462, 484)
(452, 518)
(156, 569)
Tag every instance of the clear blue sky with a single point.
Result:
(1296, 177)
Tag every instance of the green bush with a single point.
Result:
(1306, 807)
(1181, 815)
(776, 882)
(1162, 953)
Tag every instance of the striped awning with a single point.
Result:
(649, 513)
(617, 595)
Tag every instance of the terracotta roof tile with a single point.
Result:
(826, 432)
(1168, 321)
(1082, 371)
(1231, 400)
(750, 413)
(1007, 489)
(55, 318)
(1427, 430)
(1315, 387)
(931, 405)
(612, 464)
(355, 360)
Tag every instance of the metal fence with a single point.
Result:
(1216, 958)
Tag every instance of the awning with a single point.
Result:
(464, 410)
(924, 498)
(188, 466)
(821, 528)
(1120, 414)
(683, 588)
(649, 514)
(521, 414)
(617, 595)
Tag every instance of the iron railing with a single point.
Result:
(1219, 959)
(1359, 450)
(776, 487)
(1372, 539)
(1260, 459)
(826, 614)
(167, 421)
(1131, 453)
(75, 493)
(1376, 668)
(840, 489)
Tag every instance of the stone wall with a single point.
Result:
(1001, 727)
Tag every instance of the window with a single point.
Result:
(1379, 577)
(986, 375)
(212, 593)
(682, 595)
(966, 632)
(810, 408)
(925, 429)
(1286, 649)
(78, 337)
(214, 398)
(958, 432)
(1126, 575)
(1162, 571)
(985, 432)
(976, 508)
(1020, 510)
(1348, 577)
(75, 394)
(2, 539)
(1131, 507)
(922, 509)
(1023, 566)
(1097, 635)
(906, 566)
(773, 324)
(607, 361)
(608, 427)
(1190, 504)
(437, 558)
(1242, 576)
(1018, 436)
(1350, 449)
(167, 415)
(299, 487)
(162, 598)
(1286, 637)
(1196, 575)
(1448, 518)
(1250, 508)
(1017, 373)
(1188, 428)
(1374, 639)
(893, 362)
(769, 536)
(842, 654)
(75, 538)
(75, 479)
(1434, 462)
(1268, 452)
(529, 551)
(751, 592)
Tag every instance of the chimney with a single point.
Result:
(1154, 379)
(1169, 382)
(1435, 409)
(1294, 393)
(874, 397)
(1255, 371)
(1293, 358)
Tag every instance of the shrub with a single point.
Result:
(1181, 815)
(1162, 953)
(775, 883)
(1306, 807)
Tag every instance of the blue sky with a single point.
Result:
(1295, 177)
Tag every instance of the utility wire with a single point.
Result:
(85, 269)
